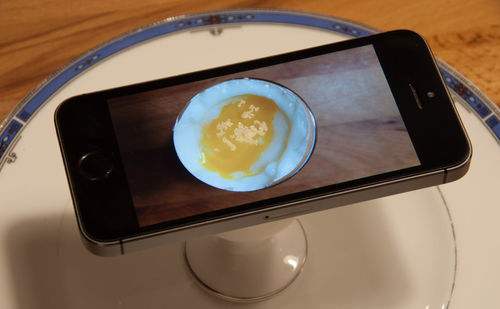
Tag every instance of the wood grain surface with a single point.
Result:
(39, 36)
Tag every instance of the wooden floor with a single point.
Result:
(39, 36)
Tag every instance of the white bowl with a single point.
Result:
(205, 106)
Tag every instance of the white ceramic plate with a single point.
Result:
(430, 248)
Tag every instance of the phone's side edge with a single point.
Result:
(458, 171)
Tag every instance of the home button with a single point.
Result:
(96, 165)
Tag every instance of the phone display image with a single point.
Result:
(360, 133)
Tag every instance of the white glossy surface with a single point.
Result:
(396, 252)
(249, 264)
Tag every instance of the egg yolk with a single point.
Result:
(236, 138)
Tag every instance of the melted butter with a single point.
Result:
(234, 141)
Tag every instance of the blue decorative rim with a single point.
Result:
(10, 129)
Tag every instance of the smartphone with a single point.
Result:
(341, 123)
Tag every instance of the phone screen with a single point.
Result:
(359, 133)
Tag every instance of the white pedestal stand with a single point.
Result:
(249, 264)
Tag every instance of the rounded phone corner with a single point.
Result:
(459, 170)
(100, 247)
(103, 249)
(462, 165)
(405, 33)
